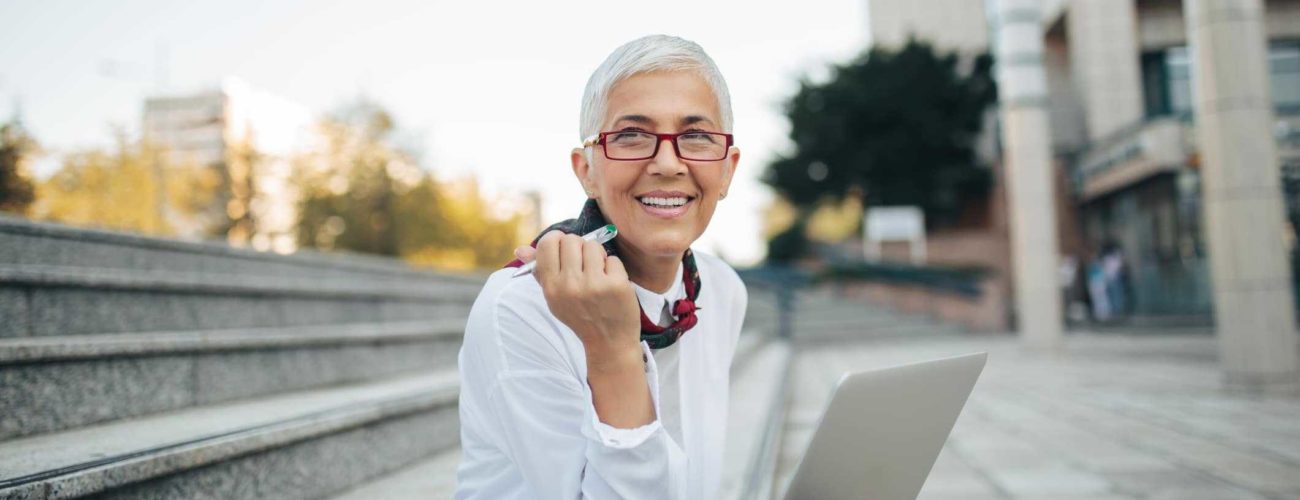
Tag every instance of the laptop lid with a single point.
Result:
(883, 430)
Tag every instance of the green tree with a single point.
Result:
(17, 148)
(362, 192)
(348, 184)
(894, 127)
(120, 188)
(239, 219)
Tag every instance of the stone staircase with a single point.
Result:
(133, 367)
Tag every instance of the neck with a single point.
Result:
(652, 272)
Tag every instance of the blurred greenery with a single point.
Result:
(356, 189)
(789, 244)
(17, 148)
(239, 194)
(120, 188)
(362, 192)
(890, 128)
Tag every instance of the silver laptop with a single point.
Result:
(883, 429)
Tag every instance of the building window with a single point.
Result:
(1284, 74)
(1178, 67)
(1155, 89)
(1167, 79)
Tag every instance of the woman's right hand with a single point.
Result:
(589, 292)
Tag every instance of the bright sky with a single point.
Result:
(480, 87)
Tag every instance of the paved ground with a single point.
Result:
(1112, 417)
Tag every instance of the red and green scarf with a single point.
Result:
(683, 311)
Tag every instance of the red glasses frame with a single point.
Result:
(599, 140)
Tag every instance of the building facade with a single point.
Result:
(1119, 100)
(1123, 120)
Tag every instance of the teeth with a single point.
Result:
(664, 202)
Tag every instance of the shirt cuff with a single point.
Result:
(614, 437)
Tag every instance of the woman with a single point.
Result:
(604, 374)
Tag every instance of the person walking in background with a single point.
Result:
(1115, 271)
(1097, 291)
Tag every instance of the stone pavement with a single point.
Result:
(1114, 416)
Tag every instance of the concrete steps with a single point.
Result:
(433, 477)
(301, 444)
(135, 367)
(53, 383)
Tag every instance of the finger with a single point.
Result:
(552, 234)
(526, 254)
(571, 254)
(548, 257)
(593, 258)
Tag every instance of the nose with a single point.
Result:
(666, 162)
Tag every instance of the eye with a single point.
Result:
(627, 135)
(699, 137)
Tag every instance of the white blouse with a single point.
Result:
(528, 426)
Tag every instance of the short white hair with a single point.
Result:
(643, 55)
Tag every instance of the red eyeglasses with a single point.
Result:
(693, 145)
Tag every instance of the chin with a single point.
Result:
(662, 243)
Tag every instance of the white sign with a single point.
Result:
(894, 224)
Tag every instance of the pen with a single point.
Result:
(602, 236)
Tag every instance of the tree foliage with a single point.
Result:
(896, 128)
(362, 192)
(241, 202)
(16, 150)
(127, 187)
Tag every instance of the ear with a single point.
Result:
(733, 159)
(582, 170)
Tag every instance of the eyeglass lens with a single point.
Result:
(633, 145)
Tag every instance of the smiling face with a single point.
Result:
(662, 204)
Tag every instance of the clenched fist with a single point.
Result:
(589, 292)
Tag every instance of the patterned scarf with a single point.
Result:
(683, 311)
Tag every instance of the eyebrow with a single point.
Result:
(693, 119)
(646, 120)
(640, 119)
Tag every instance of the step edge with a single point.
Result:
(306, 258)
(37, 349)
(116, 470)
(216, 283)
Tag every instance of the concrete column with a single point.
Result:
(1242, 192)
(1104, 62)
(1027, 160)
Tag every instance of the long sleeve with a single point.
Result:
(532, 386)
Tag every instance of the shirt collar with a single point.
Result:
(652, 304)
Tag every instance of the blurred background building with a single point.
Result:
(1120, 106)
(219, 129)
